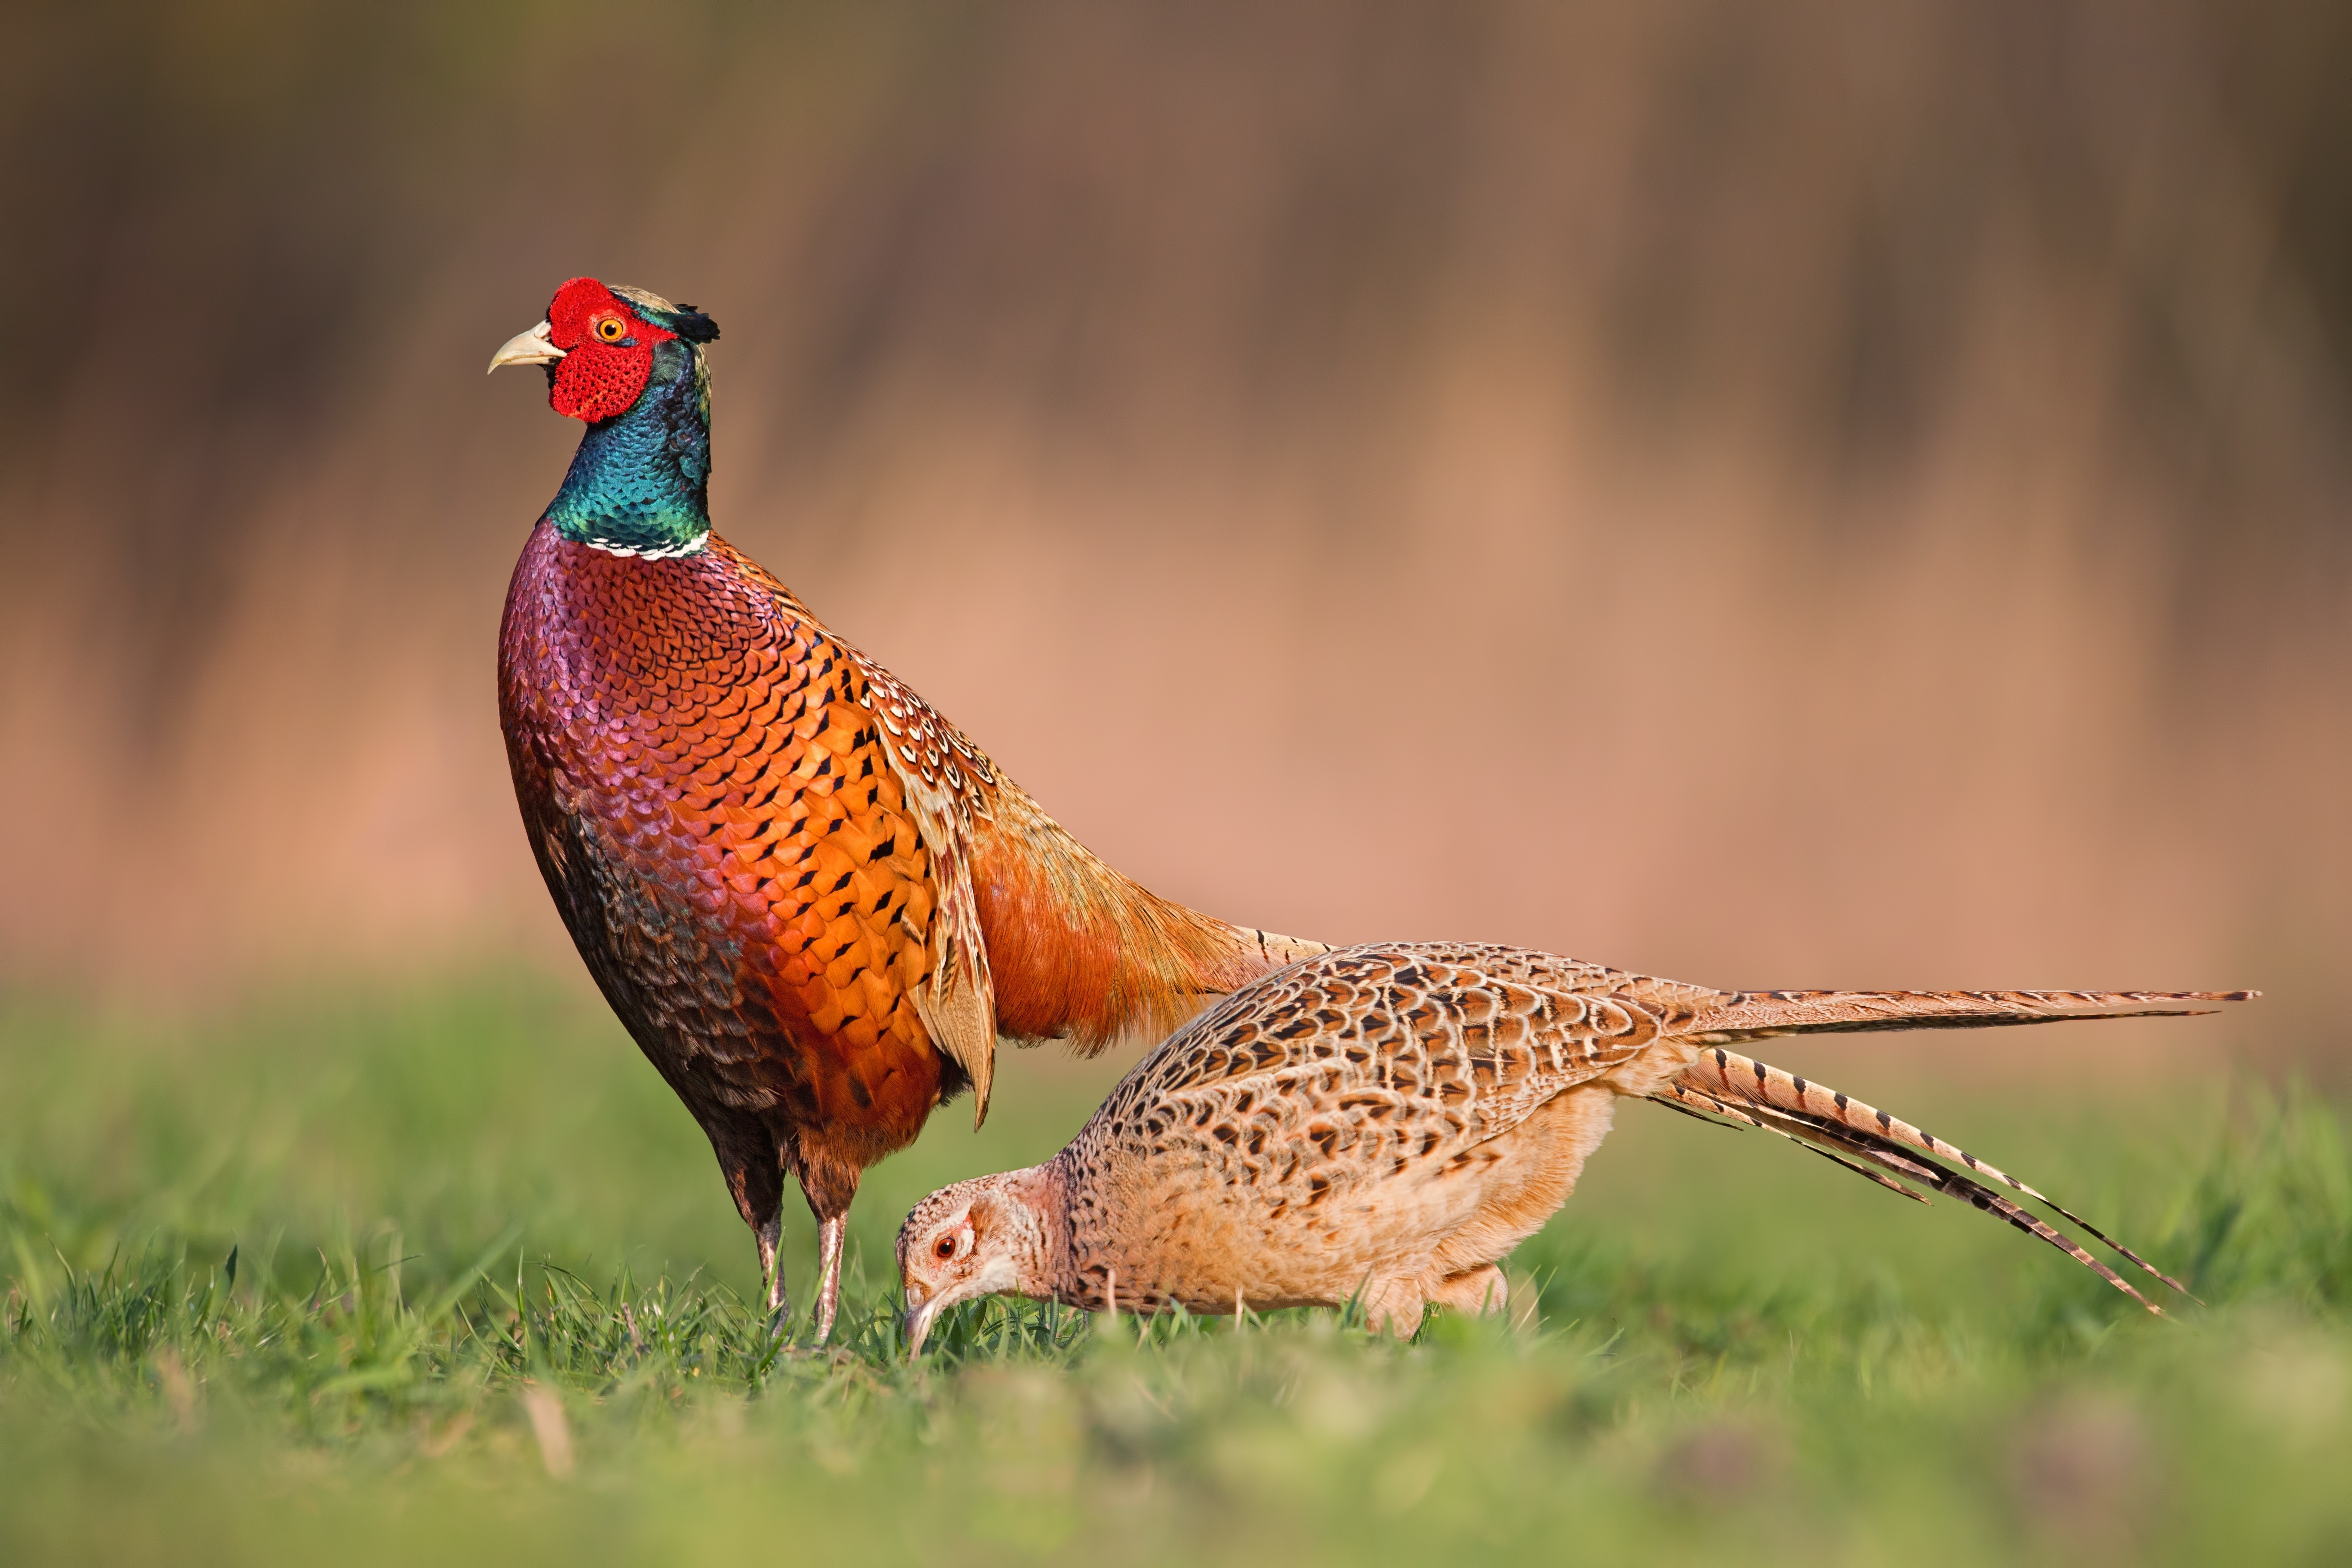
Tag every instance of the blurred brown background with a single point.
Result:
(1827, 493)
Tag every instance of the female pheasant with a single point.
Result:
(1383, 1123)
(814, 904)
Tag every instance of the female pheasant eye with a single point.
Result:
(946, 1247)
(610, 329)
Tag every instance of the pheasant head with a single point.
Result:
(976, 1238)
(598, 343)
(630, 365)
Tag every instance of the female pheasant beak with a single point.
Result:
(920, 1311)
(534, 347)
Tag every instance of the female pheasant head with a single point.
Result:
(976, 1238)
(630, 364)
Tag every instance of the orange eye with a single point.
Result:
(946, 1247)
(610, 329)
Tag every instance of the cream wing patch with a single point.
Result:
(945, 777)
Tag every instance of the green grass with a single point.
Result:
(489, 1297)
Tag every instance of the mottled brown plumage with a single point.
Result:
(1383, 1123)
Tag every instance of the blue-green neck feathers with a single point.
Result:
(640, 484)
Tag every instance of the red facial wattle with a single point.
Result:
(608, 352)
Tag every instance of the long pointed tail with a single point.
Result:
(1872, 1142)
(1763, 1014)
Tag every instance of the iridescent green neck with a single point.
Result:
(640, 484)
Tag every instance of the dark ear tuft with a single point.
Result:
(684, 320)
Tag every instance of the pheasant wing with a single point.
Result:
(942, 774)
(1391, 1050)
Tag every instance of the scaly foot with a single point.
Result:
(772, 1268)
(829, 1263)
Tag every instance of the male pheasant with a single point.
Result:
(814, 904)
(1383, 1123)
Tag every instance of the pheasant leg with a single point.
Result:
(828, 1284)
(1474, 1294)
(1394, 1305)
(772, 1267)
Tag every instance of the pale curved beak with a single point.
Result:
(918, 1323)
(533, 347)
